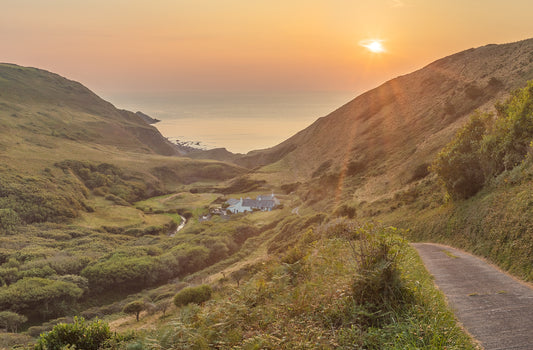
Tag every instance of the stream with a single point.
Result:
(181, 226)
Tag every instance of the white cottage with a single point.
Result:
(262, 202)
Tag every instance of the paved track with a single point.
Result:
(494, 307)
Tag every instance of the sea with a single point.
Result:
(237, 121)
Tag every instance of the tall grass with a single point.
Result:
(345, 286)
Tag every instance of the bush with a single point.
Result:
(289, 188)
(196, 295)
(15, 341)
(508, 142)
(116, 200)
(9, 219)
(346, 211)
(91, 336)
(420, 172)
(322, 168)
(458, 165)
(355, 167)
(377, 285)
(47, 296)
(487, 146)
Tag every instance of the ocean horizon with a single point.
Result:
(238, 121)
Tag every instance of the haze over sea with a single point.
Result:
(238, 121)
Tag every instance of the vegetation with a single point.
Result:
(325, 299)
(48, 297)
(107, 179)
(194, 295)
(496, 223)
(80, 236)
(78, 335)
(26, 200)
(135, 307)
(11, 320)
(487, 146)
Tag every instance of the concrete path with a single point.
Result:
(494, 307)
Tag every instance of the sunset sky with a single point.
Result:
(121, 46)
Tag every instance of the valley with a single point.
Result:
(103, 218)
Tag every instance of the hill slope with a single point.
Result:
(384, 135)
(55, 135)
(41, 107)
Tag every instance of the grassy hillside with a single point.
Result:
(72, 169)
(321, 294)
(479, 193)
(89, 208)
(59, 143)
(384, 138)
(43, 109)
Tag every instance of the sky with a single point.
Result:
(134, 46)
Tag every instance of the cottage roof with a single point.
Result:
(259, 204)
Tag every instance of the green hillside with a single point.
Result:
(73, 169)
(47, 120)
(43, 109)
(480, 196)
(91, 197)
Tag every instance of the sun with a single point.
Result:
(373, 45)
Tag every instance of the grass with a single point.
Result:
(178, 200)
(107, 214)
(495, 224)
(308, 305)
(300, 296)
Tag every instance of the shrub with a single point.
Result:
(163, 305)
(420, 172)
(487, 146)
(473, 92)
(116, 200)
(288, 188)
(377, 285)
(346, 211)
(9, 219)
(35, 331)
(458, 165)
(355, 167)
(195, 295)
(34, 293)
(508, 142)
(322, 168)
(15, 341)
(87, 336)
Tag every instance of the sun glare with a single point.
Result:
(373, 45)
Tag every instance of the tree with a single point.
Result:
(135, 307)
(238, 275)
(163, 305)
(11, 320)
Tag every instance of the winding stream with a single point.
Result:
(180, 227)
